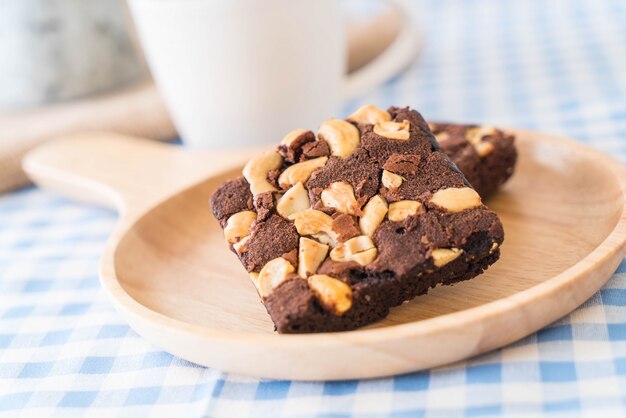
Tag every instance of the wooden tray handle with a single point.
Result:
(124, 173)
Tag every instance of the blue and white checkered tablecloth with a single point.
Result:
(557, 66)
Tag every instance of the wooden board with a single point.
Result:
(168, 271)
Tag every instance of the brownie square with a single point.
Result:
(485, 155)
(335, 228)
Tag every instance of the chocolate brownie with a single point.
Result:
(484, 154)
(336, 228)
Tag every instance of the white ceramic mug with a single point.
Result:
(245, 72)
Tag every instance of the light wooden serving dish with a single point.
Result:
(167, 270)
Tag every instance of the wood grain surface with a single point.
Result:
(168, 271)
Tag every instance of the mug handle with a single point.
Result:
(394, 58)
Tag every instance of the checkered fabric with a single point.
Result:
(557, 66)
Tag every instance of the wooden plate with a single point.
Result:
(169, 273)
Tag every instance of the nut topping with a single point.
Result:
(483, 148)
(373, 214)
(291, 136)
(238, 225)
(342, 137)
(340, 196)
(294, 200)
(393, 130)
(300, 172)
(442, 137)
(442, 256)
(391, 180)
(360, 249)
(316, 224)
(475, 137)
(272, 274)
(310, 255)
(255, 171)
(311, 221)
(333, 294)
(398, 211)
(456, 199)
(239, 246)
(369, 114)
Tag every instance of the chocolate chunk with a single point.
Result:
(231, 197)
(293, 301)
(292, 153)
(315, 149)
(345, 226)
(402, 163)
(272, 177)
(264, 205)
(337, 269)
(292, 257)
(268, 240)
